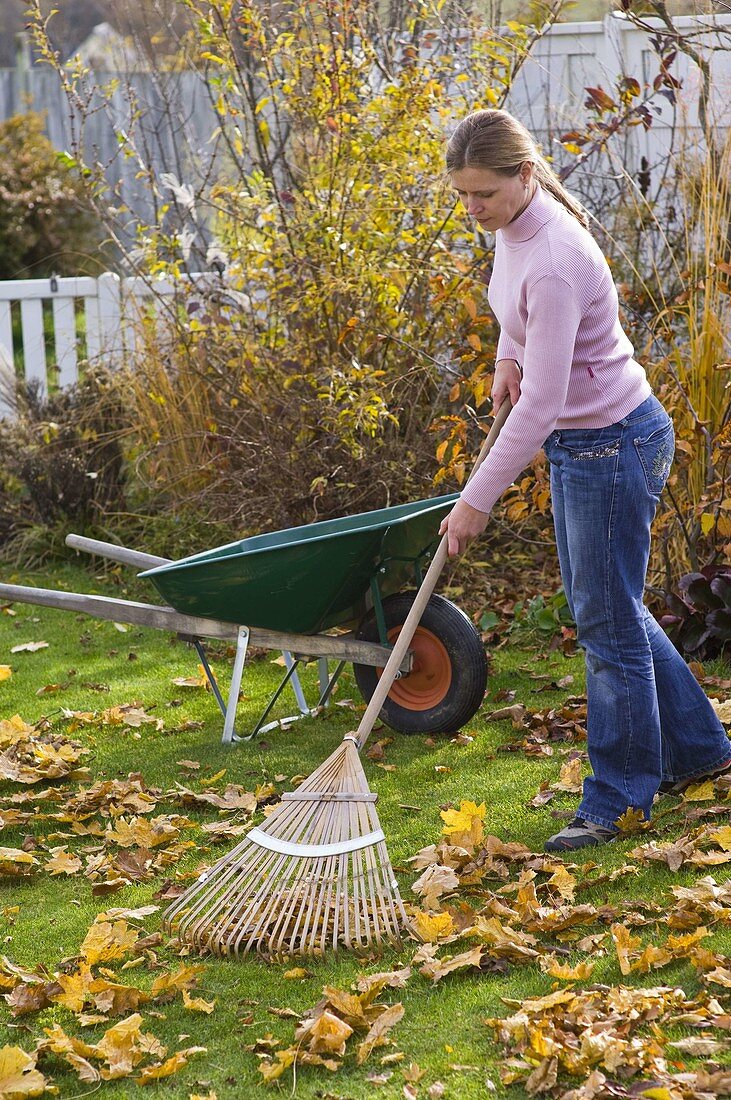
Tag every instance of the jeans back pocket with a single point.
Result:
(656, 456)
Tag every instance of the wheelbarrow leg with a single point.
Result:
(299, 694)
(233, 691)
(327, 682)
(289, 676)
(213, 683)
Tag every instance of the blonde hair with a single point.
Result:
(492, 138)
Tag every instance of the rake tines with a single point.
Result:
(315, 875)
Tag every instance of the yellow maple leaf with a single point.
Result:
(197, 1004)
(631, 821)
(721, 976)
(431, 927)
(14, 861)
(652, 958)
(125, 1045)
(464, 826)
(580, 972)
(5, 672)
(183, 978)
(439, 968)
(63, 862)
(270, 1071)
(376, 1037)
(18, 1074)
(105, 941)
(139, 832)
(174, 1063)
(14, 729)
(570, 778)
(699, 792)
(75, 988)
(564, 882)
(722, 837)
(327, 1034)
(624, 943)
(682, 944)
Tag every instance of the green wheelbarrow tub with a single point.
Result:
(304, 580)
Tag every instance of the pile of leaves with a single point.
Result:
(106, 832)
(86, 987)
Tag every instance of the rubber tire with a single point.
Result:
(467, 658)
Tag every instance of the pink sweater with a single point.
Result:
(554, 297)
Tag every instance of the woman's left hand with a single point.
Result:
(463, 524)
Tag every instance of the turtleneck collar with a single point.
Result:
(540, 209)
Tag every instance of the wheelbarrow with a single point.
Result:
(337, 590)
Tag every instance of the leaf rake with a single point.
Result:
(316, 874)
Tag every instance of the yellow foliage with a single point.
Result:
(464, 826)
(432, 927)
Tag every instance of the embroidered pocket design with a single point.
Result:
(656, 456)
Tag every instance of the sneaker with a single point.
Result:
(672, 786)
(580, 834)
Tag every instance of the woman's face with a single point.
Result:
(491, 198)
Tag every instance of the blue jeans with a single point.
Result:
(648, 719)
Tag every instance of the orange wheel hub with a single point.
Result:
(431, 675)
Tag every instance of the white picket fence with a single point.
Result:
(61, 322)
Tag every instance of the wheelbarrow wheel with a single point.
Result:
(447, 683)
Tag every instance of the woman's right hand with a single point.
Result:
(506, 382)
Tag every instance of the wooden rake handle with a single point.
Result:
(422, 598)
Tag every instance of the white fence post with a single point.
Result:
(109, 302)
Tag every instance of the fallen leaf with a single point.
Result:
(62, 862)
(631, 821)
(435, 881)
(436, 969)
(699, 792)
(29, 647)
(197, 1004)
(464, 826)
(432, 927)
(18, 1074)
(564, 882)
(105, 942)
(570, 778)
(14, 861)
(377, 1034)
(325, 1034)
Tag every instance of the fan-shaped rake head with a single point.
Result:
(315, 875)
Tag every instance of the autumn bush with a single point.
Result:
(46, 223)
(61, 465)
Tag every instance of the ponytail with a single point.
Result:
(494, 139)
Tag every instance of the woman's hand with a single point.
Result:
(506, 381)
(463, 524)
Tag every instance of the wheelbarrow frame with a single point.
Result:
(343, 648)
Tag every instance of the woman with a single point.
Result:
(568, 367)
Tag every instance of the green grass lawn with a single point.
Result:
(443, 1030)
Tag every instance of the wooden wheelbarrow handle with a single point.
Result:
(422, 598)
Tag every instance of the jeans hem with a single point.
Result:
(724, 759)
(597, 820)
